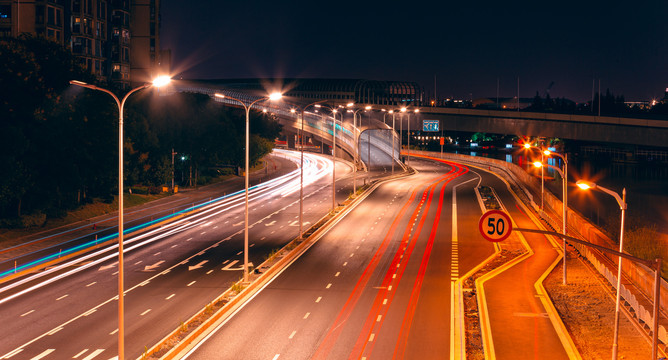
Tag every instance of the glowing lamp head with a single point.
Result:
(350, 104)
(547, 152)
(275, 96)
(527, 145)
(391, 111)
(293, 110)
(417, 111)
(161, 81)
(585, 185)
(368, 107)
(403, 109)
(218, 95)
(537, 164)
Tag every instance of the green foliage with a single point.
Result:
(60, 142)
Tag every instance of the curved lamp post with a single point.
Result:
(357, 144)
(542, 174)
(157, 82)
(334, 112)
(564, 205)
(247, 107)
(621, 201)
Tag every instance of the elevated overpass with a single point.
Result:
(319, 125)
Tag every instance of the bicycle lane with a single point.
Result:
(520, 324)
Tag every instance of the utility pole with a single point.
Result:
(173, 153)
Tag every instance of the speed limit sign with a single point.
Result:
(495, 225)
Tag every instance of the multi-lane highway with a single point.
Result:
(171, 272)
(378, 285)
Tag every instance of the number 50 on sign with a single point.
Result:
(495, 225)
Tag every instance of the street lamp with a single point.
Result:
(564, 203)
(621, 201)
(542, 174)
(357, 144)
(334, 112)
(157, 82)
(247, 107)
(301, 171)
(408, 149)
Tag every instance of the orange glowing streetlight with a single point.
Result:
(273, 97)
(157, 82)
(621, 201)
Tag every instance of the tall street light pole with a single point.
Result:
(621, 201)
(357, 144)
(301, 167)
(392, 112)
(334, 112)
(157, 82)
(247, 107)
(542, 175)
(564, 223)
(564, 205)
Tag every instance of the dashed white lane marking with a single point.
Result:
(209, 272)
(345, 263)
(79, 354)
(170, 296)
(276, 356)
(378, 318)
(175, 245)
(62, 297)
(113, 332)
(351, 255)
(43, 354)
(158, 253)
(192, 282)
(91, 284)
(307, 314)
(138, 262)
(28, 313)
(54, 331)
(145, 312)
(372, 337)
(385, 302)
(337, 274)
(240, 252)
(93, 354)
(328, 286)
(251, 245)
(264, 237)
(292, 335)
(189, 239)
(116, 273)
(318, 299)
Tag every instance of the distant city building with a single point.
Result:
(116, 40)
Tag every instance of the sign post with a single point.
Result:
(495, 225)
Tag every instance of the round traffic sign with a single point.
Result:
(495, 225)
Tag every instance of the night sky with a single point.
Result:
(467, 45)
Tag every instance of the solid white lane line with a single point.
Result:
(28, 313)
(292, 335)
(191, 283)
(307, 314)
(93, 310)
(93, 354)
(145, 312)
(43, 354)
(79, 354)
(91, 284)
(170, 296)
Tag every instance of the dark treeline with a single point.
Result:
(610, 105)
(59, 143)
